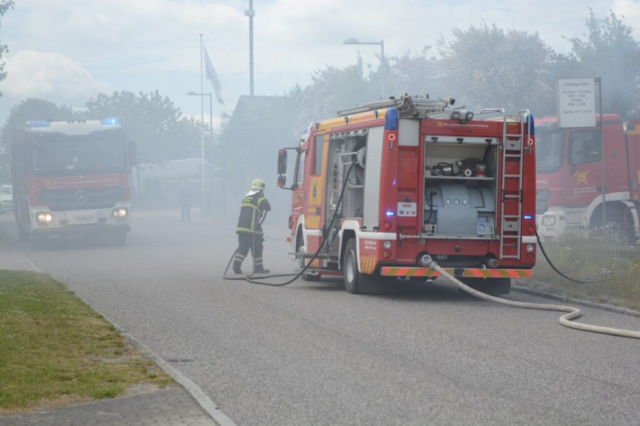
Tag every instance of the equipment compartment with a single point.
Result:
(460, 187)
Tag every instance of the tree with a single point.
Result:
(160, 130)
(417, 75)
(32, 109)
(487, 66)
(5, 5)
(608, 51)
(332, 89)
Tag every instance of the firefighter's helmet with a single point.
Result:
(258, 185)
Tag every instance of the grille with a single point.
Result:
(73, 199)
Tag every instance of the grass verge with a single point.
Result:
(55, 350)
(590, 259)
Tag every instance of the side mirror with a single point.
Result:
(282, 181)
(282, 162)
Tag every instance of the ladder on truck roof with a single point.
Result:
(406, 105)
(513, 146)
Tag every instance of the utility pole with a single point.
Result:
(202, 121)
(250, 13)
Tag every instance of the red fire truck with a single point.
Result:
(570, 178)
(72, 178)
(384, 188)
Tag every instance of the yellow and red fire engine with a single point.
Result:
(382, 189)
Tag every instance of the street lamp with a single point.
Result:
(211, 130)
(381, 44)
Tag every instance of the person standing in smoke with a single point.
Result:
(249, 230)
(184, 194)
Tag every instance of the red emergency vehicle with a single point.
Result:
(570, 178)
(72, 178)
(419, 180)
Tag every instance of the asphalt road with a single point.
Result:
(312, 354)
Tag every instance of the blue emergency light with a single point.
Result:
(110, 121)
(39, 124)
(391, 119)
(389, 214)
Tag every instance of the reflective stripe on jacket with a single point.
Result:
(251, 204)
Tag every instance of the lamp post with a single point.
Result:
(379, 43)
(202, 137)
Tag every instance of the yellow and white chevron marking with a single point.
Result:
(367, 264)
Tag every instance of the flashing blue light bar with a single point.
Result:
(391, 119)
(528, 216)
(110, 121)
(531, 123)
(389, 214)
(39, 124)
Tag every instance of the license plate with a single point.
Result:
(84, 219)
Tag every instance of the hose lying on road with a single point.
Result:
(565, 320)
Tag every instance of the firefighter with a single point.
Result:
(250, 235)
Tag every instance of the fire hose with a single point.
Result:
(257, 280)
(565, 320)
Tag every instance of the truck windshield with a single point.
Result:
(78, 154)
(549, 150)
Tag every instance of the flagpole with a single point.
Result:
(202, 207)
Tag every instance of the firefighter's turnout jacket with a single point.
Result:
(251, 204)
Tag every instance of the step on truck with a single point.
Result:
(72, 178)
(382, 189)
(571, 182)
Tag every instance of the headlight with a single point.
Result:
(44, 217)
(530, 248)
(120, 213)
(387, 245)
(548, 220)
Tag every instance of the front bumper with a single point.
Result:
(74, 222)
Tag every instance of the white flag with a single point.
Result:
(213, 76)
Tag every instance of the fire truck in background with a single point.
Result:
(570, 180)
(72, 178)
(384, 188)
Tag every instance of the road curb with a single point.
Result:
(194, 390)
(585, 303)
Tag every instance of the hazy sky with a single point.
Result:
(69, 50)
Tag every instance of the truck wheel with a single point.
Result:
(614, 230)
(119, 238)
(38, 242)
(491, 286)
(302, 263)
(356, 282)
(22, 234)
(350, 268)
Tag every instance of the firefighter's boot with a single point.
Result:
(258, 267)
(237, 263)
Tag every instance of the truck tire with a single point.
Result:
(350, 270)
(119, 238)
(22, 234)
(491, 286)
(614, 229)
(300, 248)
(356, 282)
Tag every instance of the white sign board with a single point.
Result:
(407, 209)
(576, 102)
